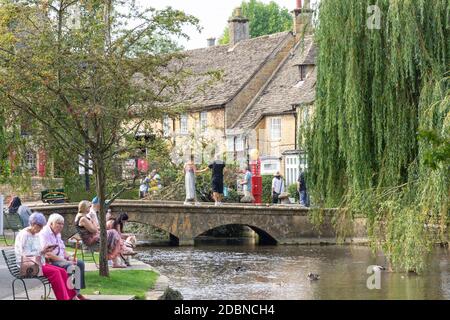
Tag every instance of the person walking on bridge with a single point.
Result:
(190, 170)
(217, 167)
(277, 187)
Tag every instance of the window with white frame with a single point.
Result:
(275, 128)
(239, 144)
(291, 169)
(230, 144)
(30, 160)
(184, 124)
(269, 167)
(203, 121)
(166, 126)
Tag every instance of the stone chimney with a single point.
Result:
(303, 18)
(211, 42)
(239, 27)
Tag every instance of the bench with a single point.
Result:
(11, 221)
(54, 196)
(11, 263)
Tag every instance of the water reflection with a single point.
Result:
(280, 272)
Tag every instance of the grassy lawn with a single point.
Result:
(10, 240)
(87, 255)
(121, 282)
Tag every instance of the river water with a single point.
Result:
(280, 272)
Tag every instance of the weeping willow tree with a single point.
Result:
(377, 88)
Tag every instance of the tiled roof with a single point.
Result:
(309, 57)
(284, 90)
(237, 63)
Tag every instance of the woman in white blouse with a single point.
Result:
(28, 245)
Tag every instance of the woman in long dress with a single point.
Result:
(190, 170)
(90, 233)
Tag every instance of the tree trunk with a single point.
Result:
(100, 188)
(107, 20)
(86, 171)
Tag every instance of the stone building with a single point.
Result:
(272, 120)
(263, 97)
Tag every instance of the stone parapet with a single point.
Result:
(274, 224)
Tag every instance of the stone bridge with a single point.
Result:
(275, 224)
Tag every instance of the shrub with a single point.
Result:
(171, 294)
(267, 188)
(233, 196)
(293, 193)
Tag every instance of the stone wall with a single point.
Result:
(32, 191)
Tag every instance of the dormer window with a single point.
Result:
(302, 69)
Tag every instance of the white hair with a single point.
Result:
(55, 218)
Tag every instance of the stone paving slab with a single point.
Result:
(162, 283)
(135, 265)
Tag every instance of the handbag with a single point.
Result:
(30, 266)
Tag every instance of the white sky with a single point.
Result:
(213, 15)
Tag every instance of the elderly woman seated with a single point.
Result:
(28, 245)
(51, 236)
(90, 234)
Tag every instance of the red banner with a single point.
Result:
(142, 165)
(42, 162)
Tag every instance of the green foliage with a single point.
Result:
(4, 165)
(267, 188)
(376, 89)
(293, 192)
(225, 38)
(233, 196)
(92, 86)
(264, 19)
(316, 217)
(439, 152)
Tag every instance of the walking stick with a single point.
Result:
(76, 249)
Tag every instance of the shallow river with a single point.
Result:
(280, 272)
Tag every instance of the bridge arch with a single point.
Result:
(173, 239)
(265, 238)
